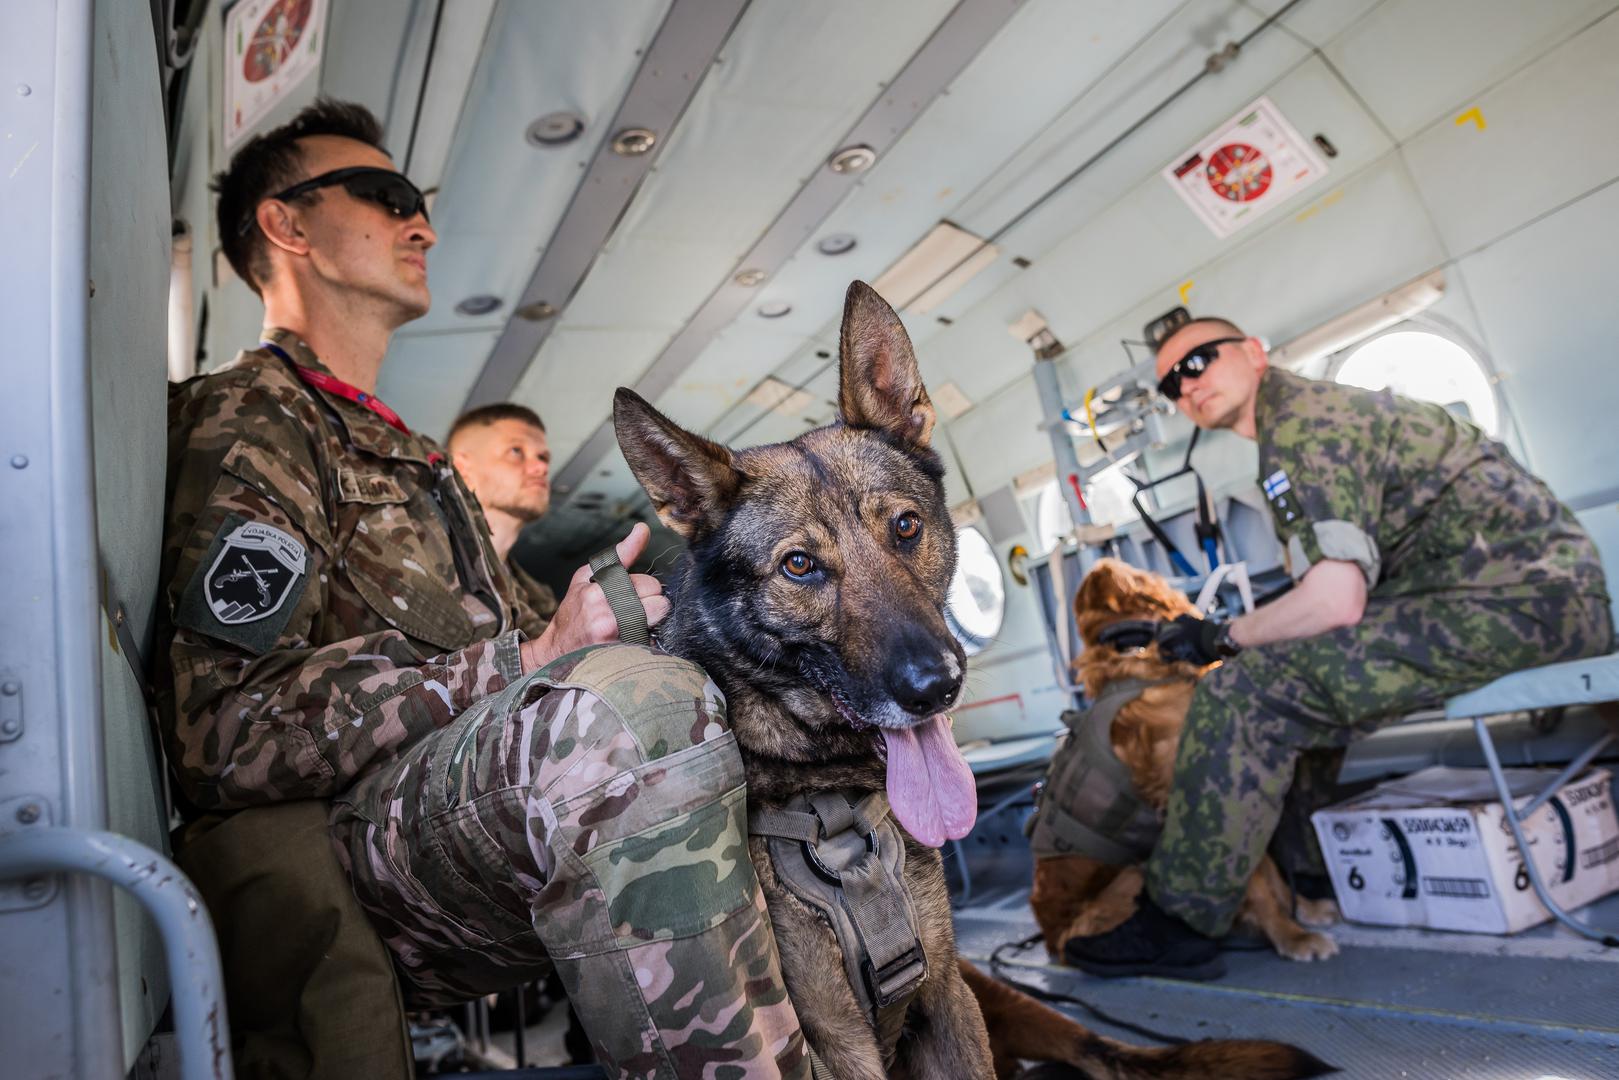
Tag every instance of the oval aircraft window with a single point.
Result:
(977, 594)
(1427, 367)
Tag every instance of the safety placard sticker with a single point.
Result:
(1248, 166)
(270, 47)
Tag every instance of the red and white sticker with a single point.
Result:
(270, 47)
(1248, 166)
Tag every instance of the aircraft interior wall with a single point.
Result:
(1508, 204)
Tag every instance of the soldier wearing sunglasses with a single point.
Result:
(354, 708)
(1426, 561)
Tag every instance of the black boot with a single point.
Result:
(1150, 942)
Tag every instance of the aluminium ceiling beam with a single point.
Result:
(685, 46)
(953, 45)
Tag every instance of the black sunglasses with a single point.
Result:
(388, 189)
(1192, 365)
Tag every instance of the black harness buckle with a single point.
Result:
(897, 978)
(1129, 634)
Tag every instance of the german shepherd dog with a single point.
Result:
(1076, 896)
(813, 590)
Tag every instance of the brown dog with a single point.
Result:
(813, 592)
(1076, 896)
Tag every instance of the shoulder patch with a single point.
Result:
(1277, 486)
(246, 587)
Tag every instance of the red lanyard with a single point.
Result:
(332, 384)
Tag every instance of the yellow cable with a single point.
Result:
(1090, 418)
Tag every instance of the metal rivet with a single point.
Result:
(28, 813)
(10, 689)
(852, 159)
(10, 729)
(23, 90)
(633, 142)
(774, 309)
(19, 461)
(749, 278)
(36, 888)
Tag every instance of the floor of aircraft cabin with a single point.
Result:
(1392, 1003)
(1542, 1005)
(1539, 1005)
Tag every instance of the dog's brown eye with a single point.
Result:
(908, 526)
(798, 565)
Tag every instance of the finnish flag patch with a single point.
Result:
(1276, 487)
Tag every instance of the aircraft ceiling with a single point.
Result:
(977, 111)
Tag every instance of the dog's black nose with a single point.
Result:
(925, 685)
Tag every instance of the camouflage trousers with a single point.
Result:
(1252, 717)
(590, 819)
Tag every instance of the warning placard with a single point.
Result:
(1246, 167)
(270, 47)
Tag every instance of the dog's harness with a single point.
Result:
(1087, 804)
(848, 863)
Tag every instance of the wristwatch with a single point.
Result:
(1224, 644)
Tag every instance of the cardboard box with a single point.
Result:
(1433, 849)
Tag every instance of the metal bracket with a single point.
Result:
(10, 708)
(25, 812)
(131, 650)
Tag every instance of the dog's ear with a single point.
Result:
(690, 479)
(879, 383)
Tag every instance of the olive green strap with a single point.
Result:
(609, 573)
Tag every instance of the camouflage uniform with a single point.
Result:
(1473, 568)
(539, 596)
(340, 628)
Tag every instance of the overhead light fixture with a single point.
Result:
(478, 304)
(1360, 323)
(931, 272)
(749, 278)
(852, 159)
(633, 142)
(774, 309)
(555, 129)
(538, 311)
(839, 243)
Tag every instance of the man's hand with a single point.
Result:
(1193, 640)
(583, 617)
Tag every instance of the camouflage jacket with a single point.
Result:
(541, 597)
(1420, 500)
(330, 591)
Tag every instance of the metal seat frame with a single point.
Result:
(1576, 682)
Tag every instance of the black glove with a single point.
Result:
(1194, 640)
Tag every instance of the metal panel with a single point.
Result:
(1554, 121)
(669, 75)
(1415, 61)
(951, 47)
(129, 261)
(57, 956)
(1539, 293)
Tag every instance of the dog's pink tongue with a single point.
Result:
(930, 785)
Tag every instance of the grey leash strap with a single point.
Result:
(609, 573)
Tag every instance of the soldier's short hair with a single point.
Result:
(271, 162)
(484, 415)
(1215, 320)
